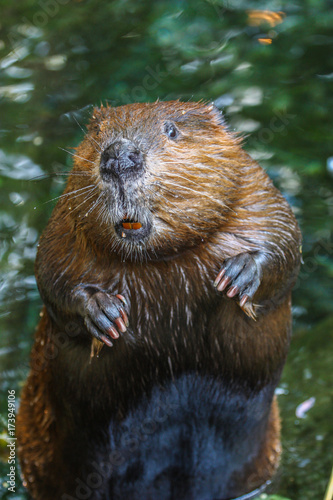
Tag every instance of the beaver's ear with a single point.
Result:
(96, 120)
(217, 114)
(219, 120)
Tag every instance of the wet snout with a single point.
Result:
(121, 160)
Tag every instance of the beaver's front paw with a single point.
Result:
(240, 277)
(105, 316)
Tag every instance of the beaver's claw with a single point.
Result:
(105, 317)
(240, 277)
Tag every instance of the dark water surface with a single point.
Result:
(270, 72)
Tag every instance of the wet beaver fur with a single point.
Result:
(171, 244)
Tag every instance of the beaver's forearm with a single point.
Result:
(70, 288)
(58, 277)
(264, 255)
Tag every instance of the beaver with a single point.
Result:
(166, 272)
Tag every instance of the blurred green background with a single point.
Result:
(268, 66)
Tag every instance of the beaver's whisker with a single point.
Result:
(200, 194)
(99, 150)
(160, 186)
(66, 194)
(187, 179)
(104, 215)
(94, 204)
(173, 184)
(54, 174)
(91, 194)
(76, 156)
(101, 212)
(78, 191)
(168, 202)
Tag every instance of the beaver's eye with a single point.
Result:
(171, 130)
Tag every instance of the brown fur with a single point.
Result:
(207, 201)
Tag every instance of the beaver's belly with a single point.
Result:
(187, 440)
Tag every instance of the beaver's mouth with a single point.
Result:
(132, 229)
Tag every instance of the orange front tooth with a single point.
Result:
(136, 225)
(127, 225)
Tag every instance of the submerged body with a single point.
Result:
(173, 245)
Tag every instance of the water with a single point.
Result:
(269, 72)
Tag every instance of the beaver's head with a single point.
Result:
(165, 176)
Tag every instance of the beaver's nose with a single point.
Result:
(120, 159)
